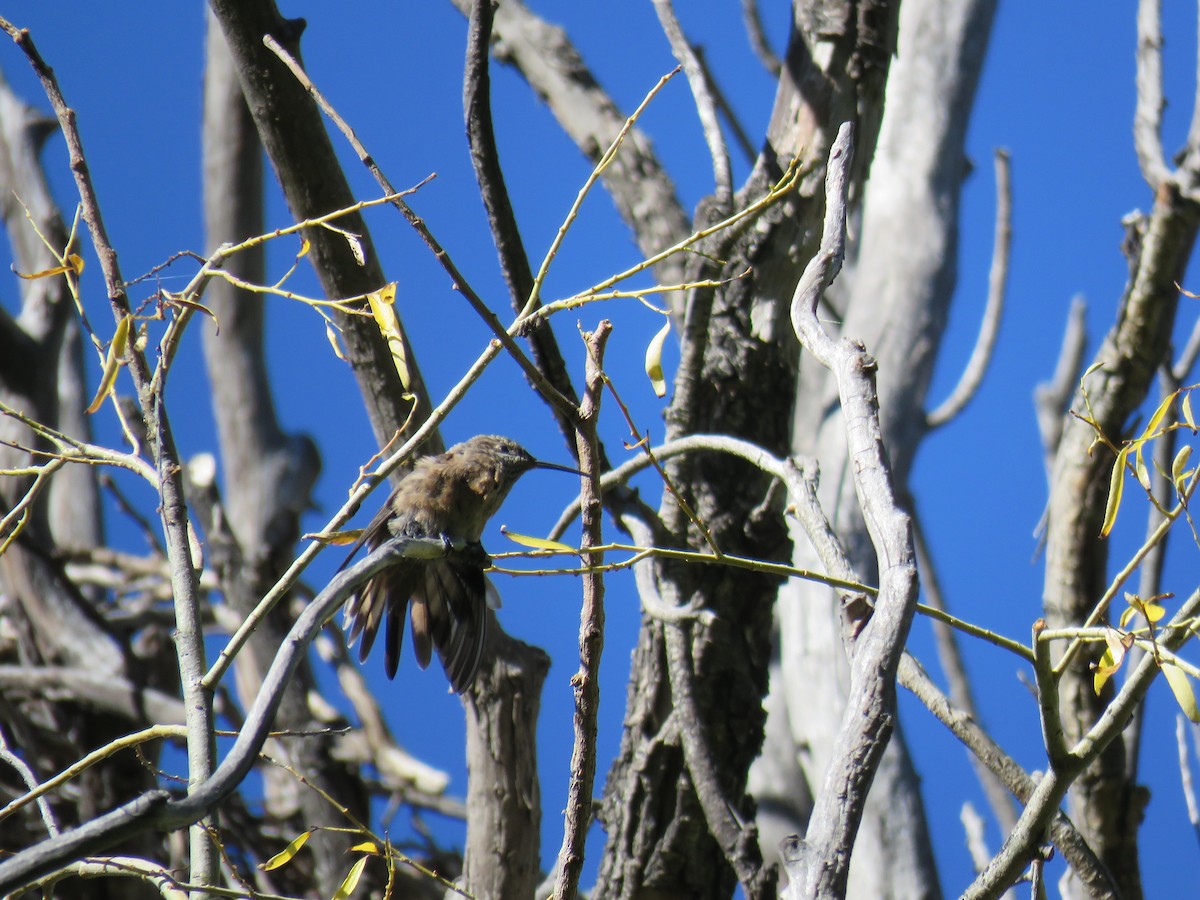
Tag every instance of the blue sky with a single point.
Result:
(1057, 91)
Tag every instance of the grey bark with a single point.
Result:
(736, 376)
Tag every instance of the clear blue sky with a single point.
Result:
(1057, 92)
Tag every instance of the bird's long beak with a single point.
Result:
(556, 467)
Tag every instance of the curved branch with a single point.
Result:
(985, 343)
(157, 809)
(820, 865)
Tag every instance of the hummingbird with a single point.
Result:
(449, 496)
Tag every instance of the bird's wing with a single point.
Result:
(449, 614)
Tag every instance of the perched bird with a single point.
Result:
(449, 496)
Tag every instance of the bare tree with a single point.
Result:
(781, 564)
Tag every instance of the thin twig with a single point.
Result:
(706, 107)
(189, 639)
(506, 235)
(36, 791)
(740, 135)
(1051, 398)
(1187, 783)
(989, 329)
(758, 38)
(955, 670)
(544, 387)
(1064, 834)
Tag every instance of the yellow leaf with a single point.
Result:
(305, 246)
(74, 264)
(112, 362)
(1153, 611)
(537, 543)
(1117, 645)
(365, 847)
(334, 538)
(382, 308)
(1187, 411)
(1115, 486)
(1103, 670)
(1178, 470)
(1139, 469)
(1181, 687)
(350, 882)
(331, 336)
(654, 351)
(1130, 611)
(285, 855)
(1151, 429)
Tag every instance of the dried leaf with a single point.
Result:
(654, 352)
(334, 538)
(112, 362)
(383, 309)
(74, 264)
(331, 336)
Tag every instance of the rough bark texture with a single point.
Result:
(893, 298)
(501, 859)
(737, 375)
(294, 135)
(1105, 803)
(268, 477)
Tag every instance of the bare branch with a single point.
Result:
(820, 864)
(643, 192)
(1147, 118)
(706, 107)
(758, 38)
(1043, 804)
(1051, 398)
(156, 809)
(950, 656)
(586, 681)
(989, 329)
(548, 391)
